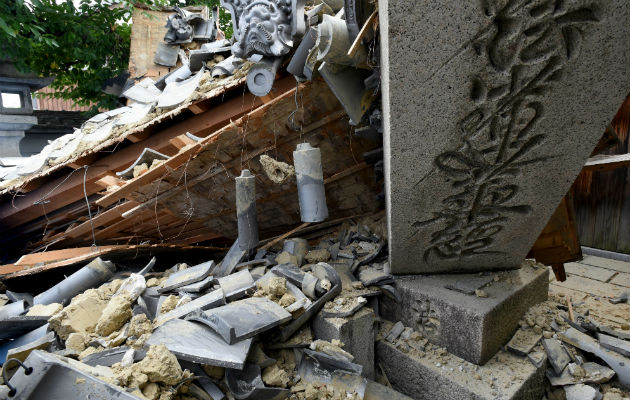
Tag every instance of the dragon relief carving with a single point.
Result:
(527, 48)
(265, 27)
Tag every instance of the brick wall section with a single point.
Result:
(146, 33)
(51, 104)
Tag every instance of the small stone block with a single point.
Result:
(434, 376)
(355, 332)
(523, 341)
(471, 327)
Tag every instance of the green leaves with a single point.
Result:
(6, 29)
(82, 43)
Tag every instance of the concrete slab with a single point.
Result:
(479, 100)
(621, 279)
(471, 327)
(433, 376)
(589, 271)
(591, 286)
(356, 332)
(617, 265)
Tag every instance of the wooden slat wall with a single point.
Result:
(602, 199)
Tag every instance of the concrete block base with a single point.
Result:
(356, 332)
(471, 327)
(435, 375)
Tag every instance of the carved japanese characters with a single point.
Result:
(528, 47)
(490, 121)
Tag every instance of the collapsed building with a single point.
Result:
(296, 213)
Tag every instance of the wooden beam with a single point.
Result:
(201, 107)
(284, 236)
(109, 179)
(83, 161)
(607, 162)
(101, 219)
(138, 136)
(182, 141)
(60, 192)
(53, 255)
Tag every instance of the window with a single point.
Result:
(11, 100)
(15, 99)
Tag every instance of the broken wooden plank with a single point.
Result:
(607, 162)
(101, 219)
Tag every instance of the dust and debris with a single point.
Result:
(317, 255)
(152, 282)
(275, 376)
(44, 310)
(140, 169)
(213, 371)
(277, 171)
(90, 350)
(275, 289)
(481, 293)
(115, 315)
(140, 325)
(81, 315)
(159, 366)
(169, 304)
(332, 348)
(286, 258)
(76, 341)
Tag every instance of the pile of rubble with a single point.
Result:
(261, 324)
(237, 329)
(583, 355)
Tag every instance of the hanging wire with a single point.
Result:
(85, 169)
(291, 118)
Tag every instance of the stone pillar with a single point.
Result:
(10, 143)
(491, 108)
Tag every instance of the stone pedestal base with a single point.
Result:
(469, 326)
(434, 376)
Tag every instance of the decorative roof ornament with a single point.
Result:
(265, 27)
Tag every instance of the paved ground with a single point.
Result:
(594, 280)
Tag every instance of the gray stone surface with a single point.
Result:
(470, 327)
(429, 377)
(356, 332)
(490, 110)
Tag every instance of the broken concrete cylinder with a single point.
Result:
(246, 210)
(333, 42)
(310, 183)
(93, 274)
(262, 75)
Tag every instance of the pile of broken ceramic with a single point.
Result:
(330, 38)
(582, 354)
(202, 331)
